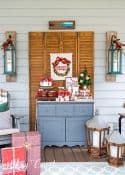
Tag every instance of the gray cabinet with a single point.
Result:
(63, 123)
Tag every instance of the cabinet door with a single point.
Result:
(52, 129)
(75, 129)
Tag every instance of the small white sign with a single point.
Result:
(71, 81)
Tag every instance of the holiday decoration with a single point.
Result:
(71, 82)
(56, 63)
(116, 42)
(46, 90)
(63, 94)
(84, 78)
(115, 56)
(46, 82)
(61, 65)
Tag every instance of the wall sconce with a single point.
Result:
(115, 149)
(9, 57)
(96, 137)
(115, 56)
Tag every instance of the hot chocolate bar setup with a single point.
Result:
(76, 89)
(61, 111)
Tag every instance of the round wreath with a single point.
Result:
(64, 61)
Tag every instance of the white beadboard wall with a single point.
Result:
(99, 16)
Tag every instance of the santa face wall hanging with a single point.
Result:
(61, 65)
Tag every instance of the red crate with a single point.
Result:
(14, 161)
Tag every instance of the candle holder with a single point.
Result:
(115, 149)
(96, 137)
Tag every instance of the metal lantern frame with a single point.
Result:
(9, 60)
(114, 58)
(101, 149)
(118, 160)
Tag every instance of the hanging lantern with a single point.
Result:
(96, 137)
(9, 61)
(115, 56)
(9, 57)
(115, 149)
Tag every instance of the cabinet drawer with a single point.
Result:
(44, 109)
(64, 109)
(83, 109)
(52, 129)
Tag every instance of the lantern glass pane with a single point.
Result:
(114, 150)
(91, 137)
(119, 61)
(8, 61)
(115, 61)
(109, 61)
(95, 139)
(14, 61)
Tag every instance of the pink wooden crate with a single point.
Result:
(31, 140)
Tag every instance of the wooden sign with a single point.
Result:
(62, 24)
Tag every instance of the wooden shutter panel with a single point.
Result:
(69, 45)
(86, 54)
(41, 44)
(36, 67)
(52, 40)
(52, 45)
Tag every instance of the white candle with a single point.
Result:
(41, 83)
(66, 98)
(96, 139)
(113, 150)
(49, 83)
(46, 83)
(9, 60)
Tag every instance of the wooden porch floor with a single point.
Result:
(67, 154)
